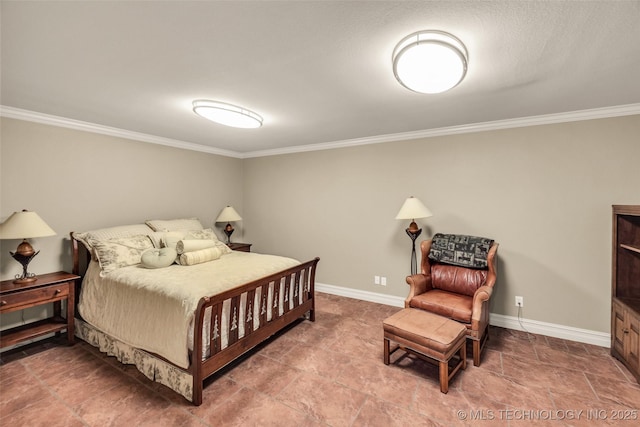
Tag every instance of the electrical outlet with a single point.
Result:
(383, 281)
(519, 301)
(376, 280)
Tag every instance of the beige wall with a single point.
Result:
(543, 192)
(78, 181)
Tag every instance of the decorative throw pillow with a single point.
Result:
(88, 238)
(198, 257)
(174, 224)
(121, 252)
(171, 238)
(458, 249)
(156, 238)
(207, 234)
(158, 257)
(192, 245)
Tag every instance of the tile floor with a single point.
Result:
(329, 373)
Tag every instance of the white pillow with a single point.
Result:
(198, 257)
(174, 224)
(192, 245)
(158, 258)
(88, 238)
(171, 238)
(156, 238)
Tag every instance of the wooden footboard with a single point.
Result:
(292, 293)
(282, 298)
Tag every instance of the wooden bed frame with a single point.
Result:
(300, 278)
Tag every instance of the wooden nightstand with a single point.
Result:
(51, 287)
(243, 247)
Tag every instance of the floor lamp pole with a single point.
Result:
(413, 235)
(412, 209)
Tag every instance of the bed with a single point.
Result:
(170, 298)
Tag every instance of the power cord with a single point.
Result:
(530, 336)
(520, 318)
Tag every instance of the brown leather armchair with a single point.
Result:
(457, 292)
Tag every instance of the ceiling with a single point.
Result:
(319, 72)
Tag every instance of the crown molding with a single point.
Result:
(573, 116)
(47, 119)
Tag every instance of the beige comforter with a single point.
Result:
(153, 309)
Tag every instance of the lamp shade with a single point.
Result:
(24, 225)
(228, 214)
(412, 209)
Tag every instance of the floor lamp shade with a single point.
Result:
(412, 209)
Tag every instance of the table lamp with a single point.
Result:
(24, 225)
(228, 215)
(412, 209)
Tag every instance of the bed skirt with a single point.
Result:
(151, 366)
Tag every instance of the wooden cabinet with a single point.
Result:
(48, 288)
(244, 247)
(626, 336)
(625, 278)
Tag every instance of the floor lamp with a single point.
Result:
(412, 209)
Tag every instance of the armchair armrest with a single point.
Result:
(480, 317)
(419, 284)
(482, 294)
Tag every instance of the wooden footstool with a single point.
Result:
(429, 336)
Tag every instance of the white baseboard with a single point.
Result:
(362, 295)
(570, 333)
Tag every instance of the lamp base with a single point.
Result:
(228, 230)
(25, 280)
(413, 233)
(23, 259)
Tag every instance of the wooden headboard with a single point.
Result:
(80, 256)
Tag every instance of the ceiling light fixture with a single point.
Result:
(227, 114)
(430, 61)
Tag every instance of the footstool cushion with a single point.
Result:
(430, 335)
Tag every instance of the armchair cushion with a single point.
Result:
(458, 280)
(447, 304)
(458, 249)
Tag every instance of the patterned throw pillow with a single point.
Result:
(89, 238)
(458, 249)
(172, 238)
(208, 234)
(121, 252)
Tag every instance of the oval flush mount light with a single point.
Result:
(430, 61)
(227, 114)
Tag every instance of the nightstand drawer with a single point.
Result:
(15, 301)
